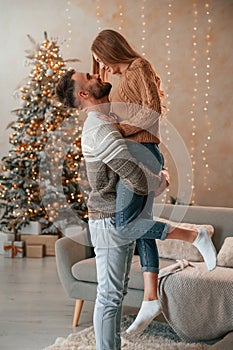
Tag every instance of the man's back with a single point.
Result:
(107, 157)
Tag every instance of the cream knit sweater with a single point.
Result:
(137, 102)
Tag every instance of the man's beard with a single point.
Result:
(100, 90)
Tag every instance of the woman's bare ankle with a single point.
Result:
(150, 297)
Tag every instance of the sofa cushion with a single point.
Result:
(225, 255)
(85, 270)
(177, 249)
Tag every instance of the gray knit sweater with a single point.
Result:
(107, 158)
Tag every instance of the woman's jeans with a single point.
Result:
(114, 254)
(130, 205)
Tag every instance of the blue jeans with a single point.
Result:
(130, 205)
(113, 262)
(114, 254)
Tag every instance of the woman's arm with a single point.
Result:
(140, 89)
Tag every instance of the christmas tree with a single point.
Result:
(43, 176)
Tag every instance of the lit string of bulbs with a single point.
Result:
(69, 29)
(143, 30)
(167, 87)
(121, 14)
(98, 15)
(206, 97)
(194, 95)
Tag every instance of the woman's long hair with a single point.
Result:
(111, 47)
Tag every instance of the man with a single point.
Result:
(107, 158)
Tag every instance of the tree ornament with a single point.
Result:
(49, 72)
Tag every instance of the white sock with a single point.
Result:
(205, 246)
(148, 311)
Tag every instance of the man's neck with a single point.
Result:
(101, 105)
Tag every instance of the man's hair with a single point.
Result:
(65, 89)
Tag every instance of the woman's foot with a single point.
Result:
(205, 246)
(148, 311)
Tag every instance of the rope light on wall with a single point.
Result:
(206, 97)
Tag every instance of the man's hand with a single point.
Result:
(165, 182)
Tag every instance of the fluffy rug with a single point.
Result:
(157, 336)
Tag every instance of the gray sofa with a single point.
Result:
(76, 263)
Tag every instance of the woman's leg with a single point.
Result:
(159, 230)
(149, 260)
(129, 207)
(200, 239)
(148, 252)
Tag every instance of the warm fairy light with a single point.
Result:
(168, 57)
(69, 30)
(98, 15)
(195, 56)
(194, 59)
(206, 98)
(143, 28)
(121, 14)
(167, 86)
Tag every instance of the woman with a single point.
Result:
(138, 106)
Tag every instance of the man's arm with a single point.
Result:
(109, 146)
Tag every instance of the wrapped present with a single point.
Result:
(47, 240)
(35, 250)
(14, 249)
(1, 212)
(33, 228)
(5, 237)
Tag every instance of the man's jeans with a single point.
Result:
(114, 252)
(113, 262)
(130, 205)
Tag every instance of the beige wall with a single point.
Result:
(212, 185)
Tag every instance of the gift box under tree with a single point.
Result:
(5, 237)
(14, 249)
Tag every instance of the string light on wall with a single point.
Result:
(121, 14)
(193, 111)
(167, 85)
(168, 59)
(98, 15)
(143, 30)
(69, 30)
(206, 97)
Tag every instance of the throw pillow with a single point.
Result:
(225, 255)
(178, 250)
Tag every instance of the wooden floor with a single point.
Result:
(34, 309)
